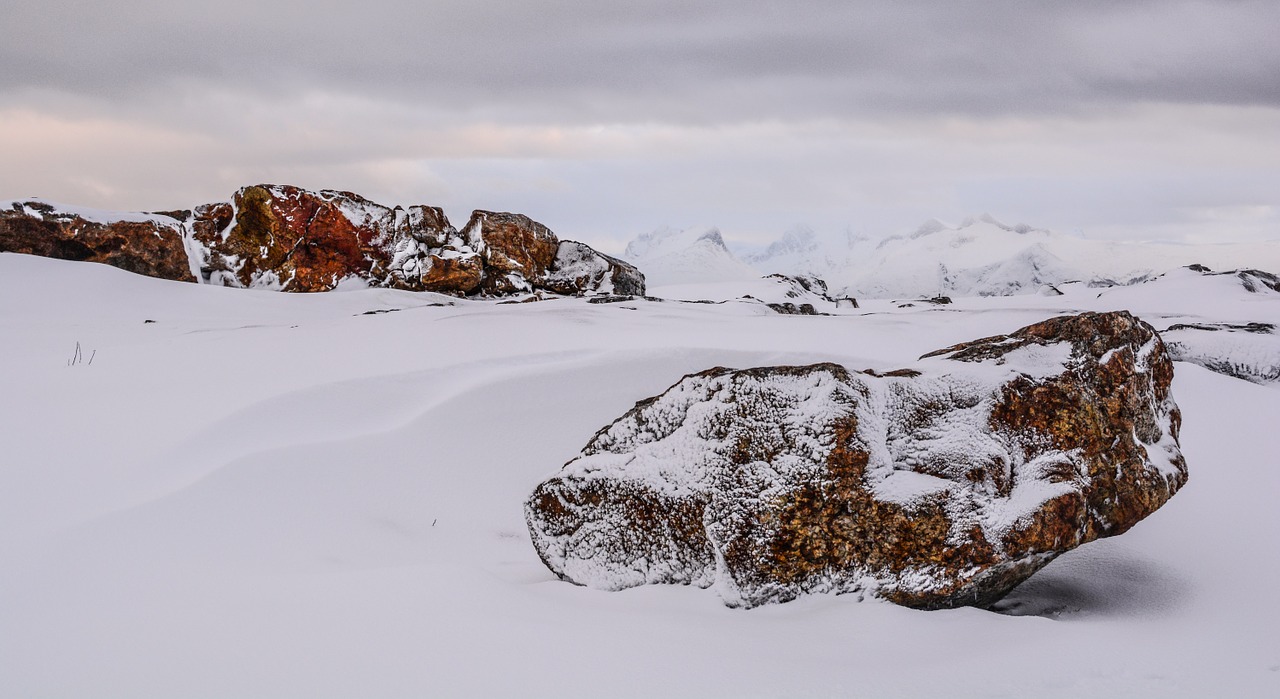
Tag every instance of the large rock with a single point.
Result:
(150, 244)
(292, 239)
(516, 250)
(940, 485)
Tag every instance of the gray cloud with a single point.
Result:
(607, 119)
(693, 61)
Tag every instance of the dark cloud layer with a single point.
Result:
(660, 59)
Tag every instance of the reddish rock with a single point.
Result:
(292, 239)
(516, 250)
(296, 240)
(456, 273)
(149, 244)
(940, 485)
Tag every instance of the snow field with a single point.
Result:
(274, 495)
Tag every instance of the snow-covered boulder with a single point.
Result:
(579, 269)
(940, 485)
(794, 295)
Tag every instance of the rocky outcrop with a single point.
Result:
(1256, 281)
(149, 244)
(578, 269)
(802, 285)
(292, 239)
(787, 308)
(944, 484)
(1249, 351)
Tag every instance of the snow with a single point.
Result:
(88, 214)
(276, 495)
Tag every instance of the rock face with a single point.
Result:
(941, 485)
(292, 239)
(578, 269)
(296, 240)
(149, 244)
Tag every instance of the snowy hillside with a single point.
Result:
(980, 256)
(241, 493)
(667, 256)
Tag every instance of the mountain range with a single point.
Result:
(981, 256)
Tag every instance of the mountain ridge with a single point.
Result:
(980, 256)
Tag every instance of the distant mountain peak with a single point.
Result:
(930, 227)
(1019, 228)
(713, 236)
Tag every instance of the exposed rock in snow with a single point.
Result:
(941, 485)
(1257, 282)
(292, 239)
(788, 308)
(1249, 351)
(516, 250)
(579, 269)
(150, 244)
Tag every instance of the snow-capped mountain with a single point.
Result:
(801, 252)
(979, 257)
(668, 256)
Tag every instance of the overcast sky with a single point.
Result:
(1110, 118)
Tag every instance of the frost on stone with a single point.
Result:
(940, 485)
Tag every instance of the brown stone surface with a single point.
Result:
(152, 247)
(516, 250)
(294, 238)
(456, 274)
(943, 485)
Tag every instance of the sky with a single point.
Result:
(1128, 119)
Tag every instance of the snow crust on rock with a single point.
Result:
(67, 211)
(927, 431)
(577, 261)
